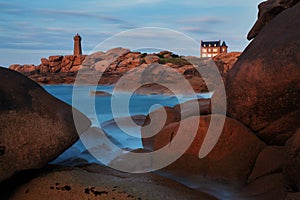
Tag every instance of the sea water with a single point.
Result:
(101, 113)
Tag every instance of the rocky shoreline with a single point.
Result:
(115, 63)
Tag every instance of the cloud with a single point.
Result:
(151, 38)
(203, 20)
(9, 8)
(21, 35)
(220, 3)
(207, 25)
(197, 30)
(36, 27)
(120, 4)
(5, 5)
(85, 14)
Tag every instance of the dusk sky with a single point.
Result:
(30, 30)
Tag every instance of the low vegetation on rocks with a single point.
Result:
(114, 63)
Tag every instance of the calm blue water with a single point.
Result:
(139, 104)
(101, 112)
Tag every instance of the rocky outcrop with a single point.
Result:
(96, 182)
(64, 64)
(267, 11)
(223, 162)
(291, 168)
(262, 92)
(225, 61)
(100, 93)
(263, 88)
(225, 168)
(115, 63)
(35, 127)
(186, 109)
(154, 122)
(162, 117)
(149, 66)
(269, 161)
(23, 68)
(54, 64)
(259, 172)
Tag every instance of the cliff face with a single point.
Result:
(116, 62)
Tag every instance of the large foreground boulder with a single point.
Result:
(224, 161)
(35, 127)
(229, 163)
(96, 182)
(263, 86)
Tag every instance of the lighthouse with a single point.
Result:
(77, 45)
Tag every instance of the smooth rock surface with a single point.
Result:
(267, 11)
(269, 161)
(229, 162)
(96, 182)
(155, 122)
(35, 127)
(264, 87)
(269, 187)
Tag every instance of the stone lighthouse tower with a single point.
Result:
(77, 45)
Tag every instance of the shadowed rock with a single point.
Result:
(35, 127)
(267, 11)
(291, 168)
(263, 88)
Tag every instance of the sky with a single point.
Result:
(30, 30)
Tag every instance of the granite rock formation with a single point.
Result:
(267, 11)
(262, 97)
(35, 127)
(263, 88)
(115, 63)
(223, 162)
(291, 168)
(225, 61)
(257, 154)
(96, 182)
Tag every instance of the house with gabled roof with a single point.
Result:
(212, 48)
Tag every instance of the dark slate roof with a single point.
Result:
(224, 44)
(212, 43)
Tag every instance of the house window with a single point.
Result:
(209, 50)
(223, 49)
(204, 45)
(215, 50)
(204, 50)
